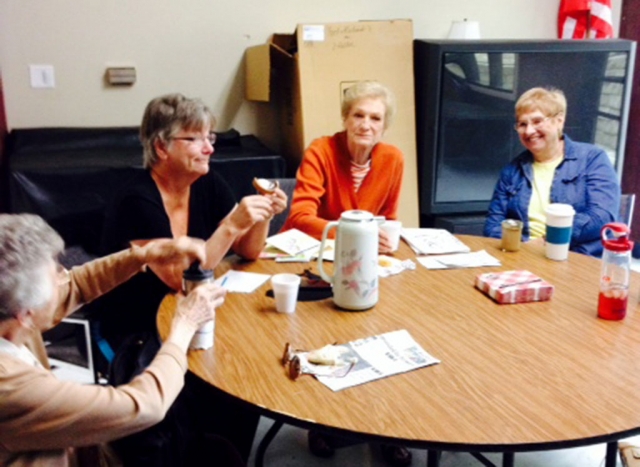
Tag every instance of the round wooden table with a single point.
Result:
(522, 377)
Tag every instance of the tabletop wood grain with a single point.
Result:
(511, 377)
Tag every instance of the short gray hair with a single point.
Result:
(27, 244)
(373, 90)
(165, 116)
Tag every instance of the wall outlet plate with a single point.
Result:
(42, 76)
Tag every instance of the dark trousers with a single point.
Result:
(223, 415)
(203, 423)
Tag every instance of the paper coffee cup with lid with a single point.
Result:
(559, 227)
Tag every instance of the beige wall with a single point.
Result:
(196, 47)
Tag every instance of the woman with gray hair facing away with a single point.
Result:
(45, 421)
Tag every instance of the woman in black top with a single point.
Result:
(179, 195)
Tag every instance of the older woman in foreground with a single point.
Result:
(352, 169)
(43, 420)
(554, 169)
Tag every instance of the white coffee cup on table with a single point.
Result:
(285, 291)
(392, 229)
(559, 227)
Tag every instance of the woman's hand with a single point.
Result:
(279, 200)
(193, 311)
(250, 210)
(199, 306)
(384, 242)
(178, 252)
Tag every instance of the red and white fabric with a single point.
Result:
(585, 19)
(601, 20)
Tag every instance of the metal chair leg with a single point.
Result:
(266, 440)
(612, 454)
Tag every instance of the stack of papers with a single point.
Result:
(296, 246)
(461, 260)
(433, 241)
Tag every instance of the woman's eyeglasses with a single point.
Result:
(198, 139)
(535, 122)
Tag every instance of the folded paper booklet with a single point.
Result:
(292, 244)
(459, 260)
(514, 287)
(296, 246)
(426, 241)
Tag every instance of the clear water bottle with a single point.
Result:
(616, 267)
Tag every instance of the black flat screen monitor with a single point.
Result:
(465, 97)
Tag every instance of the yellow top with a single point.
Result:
(543, 173)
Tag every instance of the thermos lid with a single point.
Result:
(195, 273)
(356, 215)
(620, 241)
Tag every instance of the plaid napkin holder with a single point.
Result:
(514, 287)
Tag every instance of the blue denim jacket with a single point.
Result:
(585, 179)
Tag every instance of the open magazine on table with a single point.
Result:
(296, 246)
(376, 357)
(427, 241)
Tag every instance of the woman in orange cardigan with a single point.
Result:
(352, 169)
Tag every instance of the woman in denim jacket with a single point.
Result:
(554, 169)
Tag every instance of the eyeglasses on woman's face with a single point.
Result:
(535, 122)
(200, 140)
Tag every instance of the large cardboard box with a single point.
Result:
(307, 72)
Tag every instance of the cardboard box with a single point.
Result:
(307, 72)
(514, 287)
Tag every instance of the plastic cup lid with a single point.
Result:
(559, 209)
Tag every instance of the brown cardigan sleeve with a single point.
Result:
(88, 282)
(40, 412)
(95, 278)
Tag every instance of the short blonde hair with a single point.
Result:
(373, 90)
(166, 116)
(550, 101)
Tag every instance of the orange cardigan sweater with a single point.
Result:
(324, 187)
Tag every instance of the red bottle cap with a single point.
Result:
(620, 241)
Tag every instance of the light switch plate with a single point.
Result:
(42, 76)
